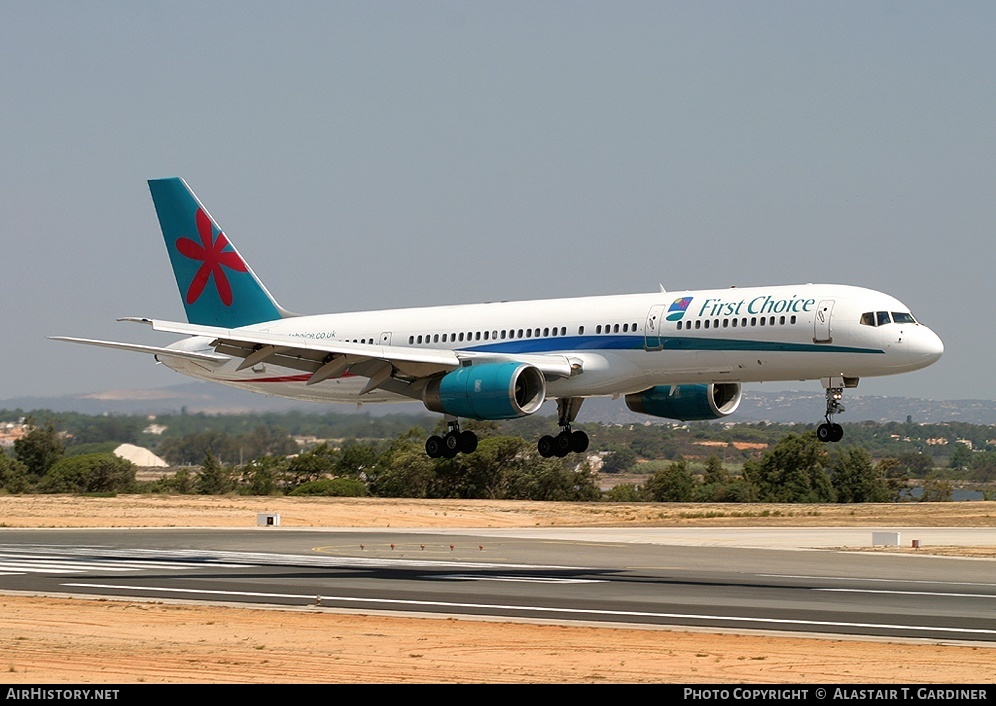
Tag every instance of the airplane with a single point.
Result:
(675, 355)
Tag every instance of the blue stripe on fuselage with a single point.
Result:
(567, 344)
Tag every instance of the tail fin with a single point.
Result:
(218, 288)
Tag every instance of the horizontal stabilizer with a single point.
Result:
(154, 350)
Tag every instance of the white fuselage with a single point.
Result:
(620, 344)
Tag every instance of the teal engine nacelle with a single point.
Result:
(687, 402)
(487, 391)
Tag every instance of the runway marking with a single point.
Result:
(874, 580)
(193, 559)
(15, 568)
(909, 593)
(579, 612)
(54, 562)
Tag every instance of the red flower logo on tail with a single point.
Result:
(213, 258)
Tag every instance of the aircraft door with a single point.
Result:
(822, 331)
(385, 338)
(652, 340)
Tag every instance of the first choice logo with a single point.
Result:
(765, 304)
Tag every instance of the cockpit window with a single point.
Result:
(882, 318)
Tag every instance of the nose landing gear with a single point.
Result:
(830, 431)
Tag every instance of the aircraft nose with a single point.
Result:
(925, 347)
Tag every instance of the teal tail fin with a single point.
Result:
(218, 288)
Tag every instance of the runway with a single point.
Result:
(649, 577)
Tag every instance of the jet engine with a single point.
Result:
(487, 391)
(687, 402)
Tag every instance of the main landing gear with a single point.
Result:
(454, 442)
(566, 441)
(831, 431)
(465, 442)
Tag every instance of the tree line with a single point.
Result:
(797, 468)
(950, 444)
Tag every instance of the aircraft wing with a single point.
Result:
(398, 369)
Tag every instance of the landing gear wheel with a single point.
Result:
(451, 445)
(579, 442)
(824, 432)
(562, 444)
(467, 442)
(545, 446)
(434, 446)
(566, 441)
(836, 432)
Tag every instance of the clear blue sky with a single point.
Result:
(376, 154)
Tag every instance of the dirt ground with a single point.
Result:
(59, 639)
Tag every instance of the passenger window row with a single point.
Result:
(601, 329)
(738, 323)
(513, 334)
(502, 335)
(615, 328)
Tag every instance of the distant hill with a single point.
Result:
(782, 407)
(194, 397)
(808, 407)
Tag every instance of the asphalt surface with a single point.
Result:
(728, 580)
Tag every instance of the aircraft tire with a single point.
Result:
(451, 445)
(579, 442)
(562, 444)
(545, 446)
(467, 442)
(434, 446)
